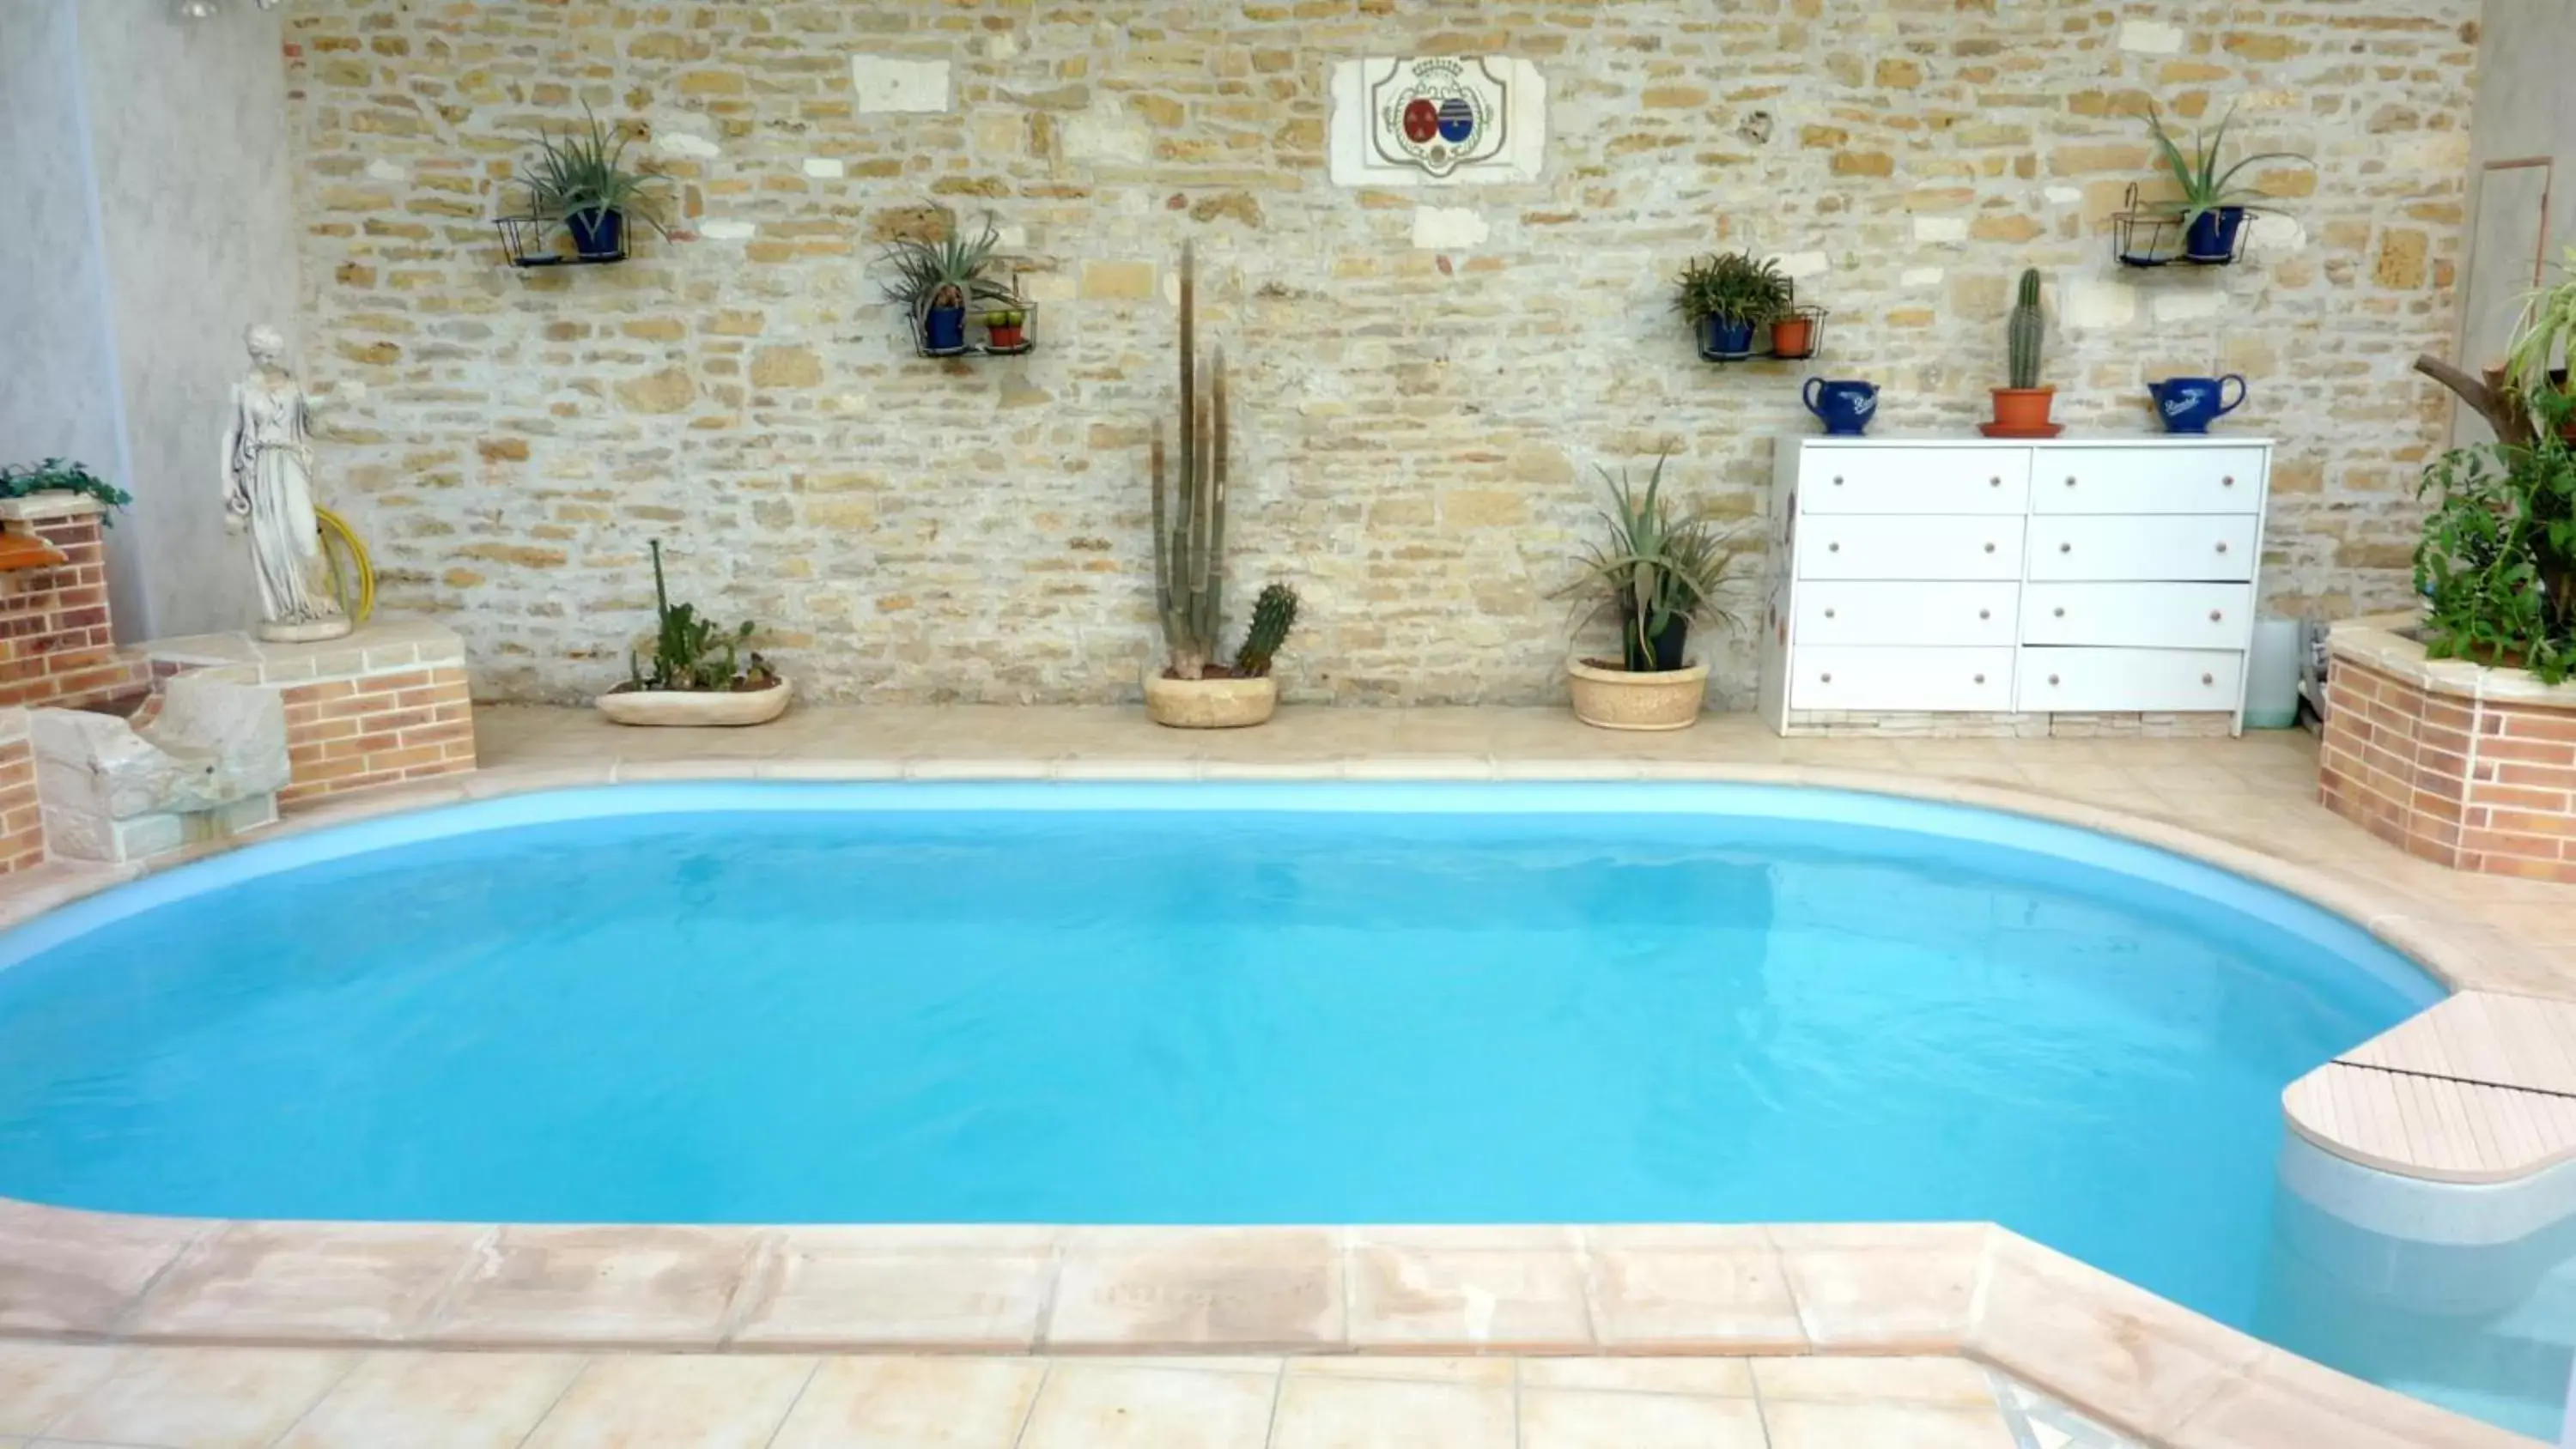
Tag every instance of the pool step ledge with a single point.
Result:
(2479, 1088)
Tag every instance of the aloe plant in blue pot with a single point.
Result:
(938, 279)
(1726, 297)
(2213, 207)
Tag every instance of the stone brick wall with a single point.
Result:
(55, 642)
(1423, 379)
(2478, 784)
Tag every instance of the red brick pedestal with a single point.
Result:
(2466, 767)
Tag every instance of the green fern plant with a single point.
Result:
(690, 652)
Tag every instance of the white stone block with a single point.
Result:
(2064, 195)
(1106, 134)
(2190, 306)
(1940, 228)
(683, 143)
(727, 230)
(1920, 277)
(1448, 228)
(2091, 303)
(1800, 265)
(891, 83)
(2276, 233)
(2150, 37)
(825, 168)
(383, 170)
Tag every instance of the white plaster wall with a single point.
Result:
(57, 362)
(2525, 105)
(197, 216)
(149, 154)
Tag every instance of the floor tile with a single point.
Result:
(674, 1401)
(401, 1400)
(1716, 1377)
(914, 1403)
(204, 1398)
(1800, 1425)
(1582, 1419)
(39, 1382)
(1087, 1406)
(1350, 1413)
(1427, 1368)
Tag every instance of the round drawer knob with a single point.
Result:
(1833, 548)
(1825, 678)
(1985, 613)
(2070, 480)
(1830, 613)
(2227, 482)
(2209, 679)
(2060, 612)
(2215, 616)
(1981, 679)
(2222, 548)
(2066, 548)
(1995, 482)
(1990, 548)
(2052, 679)
(1838, 480)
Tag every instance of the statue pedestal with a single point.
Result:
(313, 633)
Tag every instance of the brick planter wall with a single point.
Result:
(2470, 768)
(55, 644)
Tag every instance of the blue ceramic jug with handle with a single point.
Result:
(1845, 408)
(2191, 404)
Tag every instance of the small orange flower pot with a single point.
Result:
(2022, 412)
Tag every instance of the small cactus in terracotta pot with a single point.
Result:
(2021, 410)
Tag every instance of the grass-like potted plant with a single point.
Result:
(582, 182)
(2021, 410)
(2212, 207)
(938, 279)
(700, 674)
(1725, 297)
(1189, 688)
(1655, 569)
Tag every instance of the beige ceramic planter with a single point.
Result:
(1615, 699)
(695, 707)
(1208, 704)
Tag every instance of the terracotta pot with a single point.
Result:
(2022, 412)
(1208, 704)
(698, 707)
(1793, 336)
(1615, 699)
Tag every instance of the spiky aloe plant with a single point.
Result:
(2025, 332)
(1273, 615)
(1656, 564)
(948, 272)
(2204, 187)
(1189, 514)
(584, 174)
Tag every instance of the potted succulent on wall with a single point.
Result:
(1654, 571)
(581, 183)
(937, 280)
(1189, 688)
(1725, 297)
(700, 674)
(2213, 208)
(2021, 410)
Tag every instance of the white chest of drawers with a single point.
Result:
(2010, 581)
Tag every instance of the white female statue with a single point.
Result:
(268, 464)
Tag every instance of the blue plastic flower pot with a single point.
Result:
(2212, 237)
(1725, 338)
(597, 233)
(943, 329)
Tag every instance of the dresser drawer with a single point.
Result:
(2094, 680)
(1855, 676)
(1832, 546)
(1836, 612)
(2150, 616)
(2167, 547)
(2147, 480)
(1914, 480)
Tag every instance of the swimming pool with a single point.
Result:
(1196, 1003)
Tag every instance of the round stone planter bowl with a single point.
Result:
(724, 708)
(1208, 704)
(1615, 699)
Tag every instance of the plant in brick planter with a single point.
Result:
(700, 675)
(1654, 570)
(1188, 689)
(2497, 564)
(57, 476)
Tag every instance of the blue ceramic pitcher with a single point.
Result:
(1845, 408)
(2191, 404)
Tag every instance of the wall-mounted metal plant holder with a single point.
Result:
(2141, 237)
(524, 239)
(1766, 345)
(983, 330)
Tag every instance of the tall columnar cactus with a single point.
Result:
(2025, 332)
(1189, 516)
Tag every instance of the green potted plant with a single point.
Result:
(54, 475)
(582, 182)
(2497, 563)
(2535, 363)
(2021, 410)
(700, 674)
(1725, 297)
(1654, 570)
(938, 278)
(2212, 208)
(1189, 688)
(1006, 330)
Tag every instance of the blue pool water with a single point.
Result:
(1168, 1004)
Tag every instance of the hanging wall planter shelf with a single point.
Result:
(979, 333)
(523, 239)
(1764, 345)
(2141, 237)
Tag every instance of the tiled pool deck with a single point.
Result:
(1344, 1294)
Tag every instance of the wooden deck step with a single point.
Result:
(2479, 1088)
